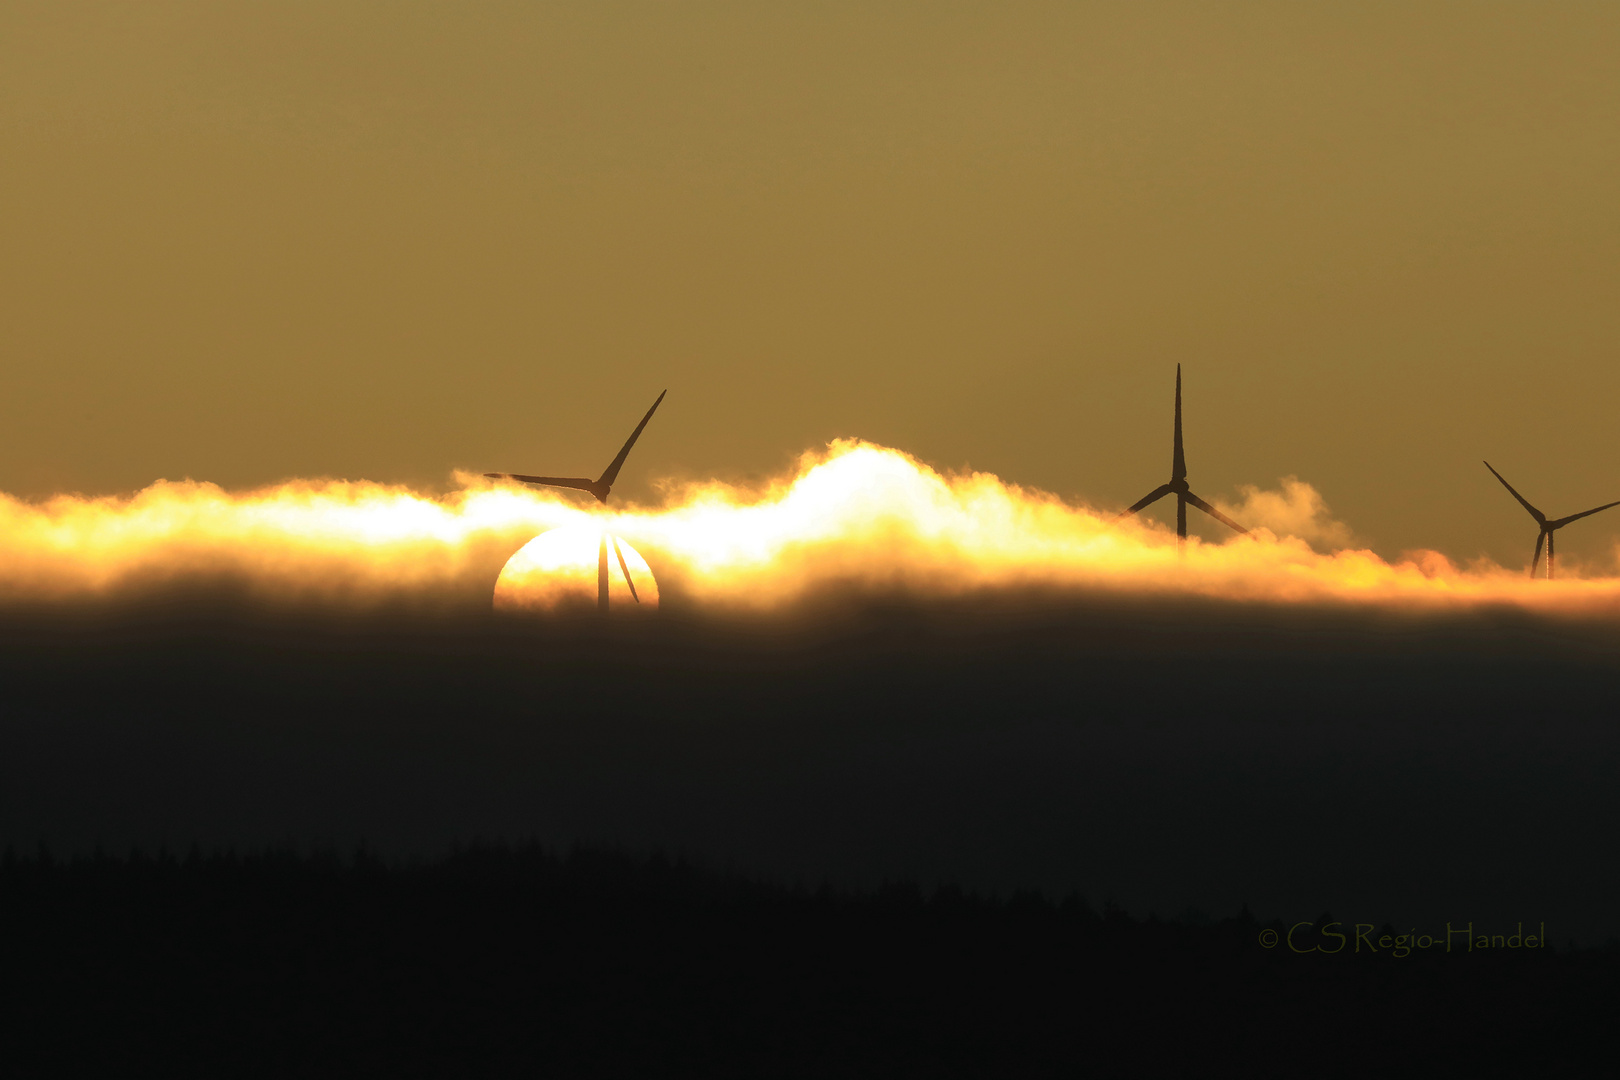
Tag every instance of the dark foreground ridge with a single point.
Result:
(515, 961)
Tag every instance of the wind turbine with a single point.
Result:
(1547, 527)
(1178, 485)
(600, 487)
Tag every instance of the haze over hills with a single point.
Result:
(1165, 755)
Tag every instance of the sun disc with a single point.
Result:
(558, 570)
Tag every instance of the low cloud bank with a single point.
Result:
(855, 515)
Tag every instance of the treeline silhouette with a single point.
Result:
(522, 961)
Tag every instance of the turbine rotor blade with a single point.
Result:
(1214, 513)
(578, 482)
(624, 568)
(1147, 500)
(1561, 522)
(1178, 463)
(1535, 560)
(1537, 514)
(612, 473)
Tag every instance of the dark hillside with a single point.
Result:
(500, 961)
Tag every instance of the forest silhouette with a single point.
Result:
(518, 960)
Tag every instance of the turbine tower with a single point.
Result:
(600, 487)
(1178, 485)
(1547, 527)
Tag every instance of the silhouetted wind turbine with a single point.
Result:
(600, 487)
(1547, 527)
(1178, 485)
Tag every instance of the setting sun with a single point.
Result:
(561, 569)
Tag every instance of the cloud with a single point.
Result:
(854, 515)
(1298, 510)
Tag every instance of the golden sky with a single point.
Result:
(382, 241)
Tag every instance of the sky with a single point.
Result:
(386, 241)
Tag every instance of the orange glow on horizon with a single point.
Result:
(855, 515)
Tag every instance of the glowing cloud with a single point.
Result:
(855, 515)
(329, 538)
(1297, 510)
